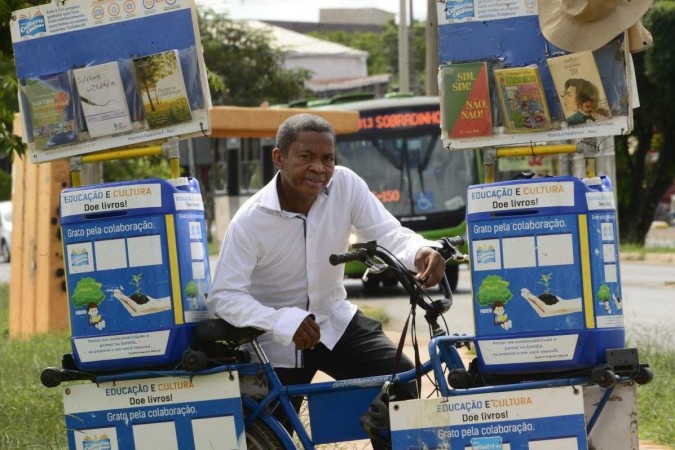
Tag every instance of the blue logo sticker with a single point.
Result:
(459, 9)
(79, 258)
(486, 255)
(93, 443)
(30, 27)
(487, 443)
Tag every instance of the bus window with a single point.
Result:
(250, 164)
(411, 175)
(220, 166)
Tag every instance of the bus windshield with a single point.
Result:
(399, 152)
(410, 174)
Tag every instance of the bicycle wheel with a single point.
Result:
(260, 437)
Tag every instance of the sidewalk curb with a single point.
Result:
(652, 258)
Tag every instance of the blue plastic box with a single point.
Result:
(545, 274)
(137, 271)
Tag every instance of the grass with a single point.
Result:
(656, 400)
(31, 415)
(641, 251)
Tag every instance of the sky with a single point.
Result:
(304, 10)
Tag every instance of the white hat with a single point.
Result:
(578, 25)
(639, 38)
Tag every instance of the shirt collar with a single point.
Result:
(269, 195)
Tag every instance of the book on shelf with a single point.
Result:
(465, 100)
(103, 99)
(52, 110)
(160, 81)
(522, 99)
(579, 87)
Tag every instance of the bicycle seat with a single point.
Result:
(219, 330)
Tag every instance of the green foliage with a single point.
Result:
(150, 70)
(250, 69)
(87, 291)
(136, 169)
(493, 288)
(546, 282)
(136, 282)
(660, 65)
(373, 43)
(603, 293)
(643, 180)
(382, 50)
(191, 289)
(656, 400)
(5, 186)
(31, 415)
(10, 144)
(171, 112)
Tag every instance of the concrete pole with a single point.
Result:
(431, 57)
(403, 50)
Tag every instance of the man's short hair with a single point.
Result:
(290, 129)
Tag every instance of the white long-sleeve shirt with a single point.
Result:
(273, 267)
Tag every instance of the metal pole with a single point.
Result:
(431, 57)
(403, 58)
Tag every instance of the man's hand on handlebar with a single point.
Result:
(430, 266)
(308, 334)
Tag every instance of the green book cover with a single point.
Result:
(159, 80)
(51, 110)
(465, 107)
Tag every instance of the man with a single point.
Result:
(273, 271)
(581, 96)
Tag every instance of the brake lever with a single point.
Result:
(459, 257)
(373, 267)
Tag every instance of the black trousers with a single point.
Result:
(362, 351)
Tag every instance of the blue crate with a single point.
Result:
(137, 271)
(545, 274)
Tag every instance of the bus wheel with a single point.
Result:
(452, 272)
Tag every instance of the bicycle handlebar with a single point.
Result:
(359, 254)
(449, 249)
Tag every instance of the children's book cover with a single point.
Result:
(52, 110)
(160, 81)
(579, 87)
(103, 100)
(522, 99)
(465, 107)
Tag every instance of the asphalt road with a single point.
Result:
(648, 296)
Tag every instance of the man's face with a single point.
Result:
(309, 165)
(586, 107)
(570, 99)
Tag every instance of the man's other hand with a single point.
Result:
(430, 266)
(308, 334)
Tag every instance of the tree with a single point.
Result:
(10, 144)
(604, 293)
(382, 50)
(493, 289)
(244, 70)
(250, 70)
(87, 291)
(152, 69)
(643, 183)
(191, 289)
